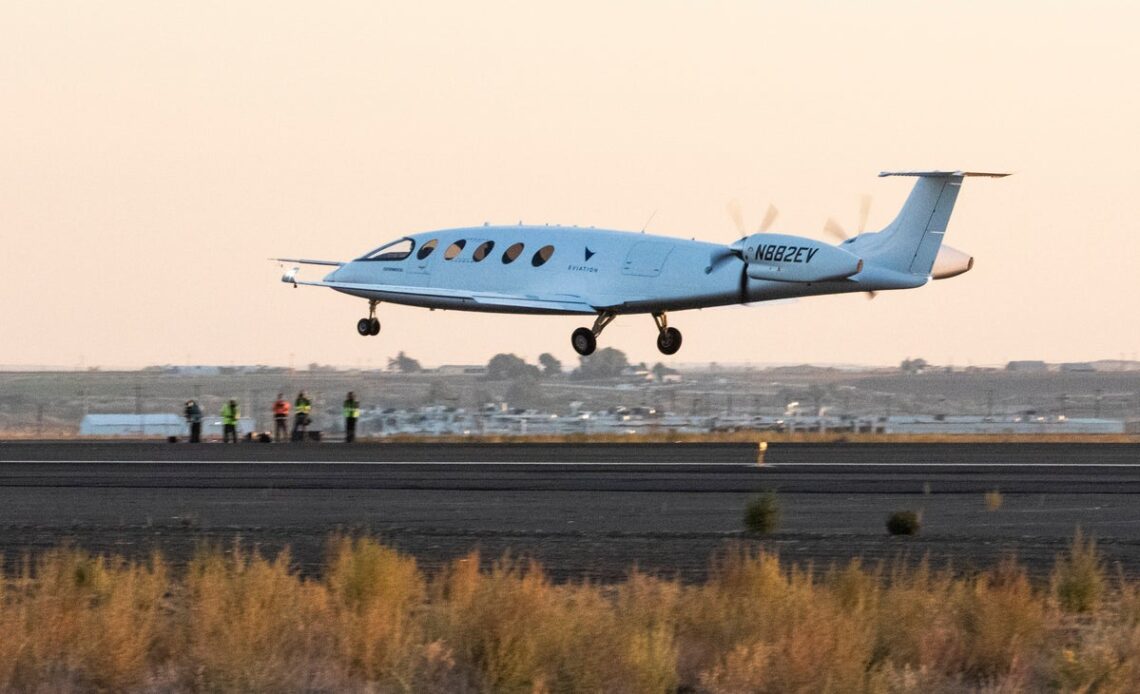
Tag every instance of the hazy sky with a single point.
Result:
(154, 154)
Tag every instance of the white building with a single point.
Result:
(153, 425)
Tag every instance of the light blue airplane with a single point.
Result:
(603, 273)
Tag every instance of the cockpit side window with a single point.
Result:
(396, 250)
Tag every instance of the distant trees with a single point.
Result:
(660, 371)
(550, 365)
(605, 363)
(913, 366)
(510, 367)
(404, 364)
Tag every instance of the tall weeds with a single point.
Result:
(237, 621)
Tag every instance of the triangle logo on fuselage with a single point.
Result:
(589, 254)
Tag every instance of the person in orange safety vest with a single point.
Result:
(280, 418)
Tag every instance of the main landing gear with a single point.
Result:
(585, 340)
(371, 324)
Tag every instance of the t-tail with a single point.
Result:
(911, 243)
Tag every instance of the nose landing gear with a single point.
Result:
(668, 339)
(371, 324)
(585, 340)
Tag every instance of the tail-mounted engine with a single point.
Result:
(786, 258)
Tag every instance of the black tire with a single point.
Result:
(374, 326)
(364, 327)
(583, 341)
(669, 341)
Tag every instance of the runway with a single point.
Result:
(587, 510)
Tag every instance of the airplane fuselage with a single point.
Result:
(630, 272)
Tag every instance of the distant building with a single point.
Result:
(462, 370)
(1027, 366)
(1078, 367)
(1028, 424)
(152, 425)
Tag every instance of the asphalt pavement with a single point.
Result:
(583, 510)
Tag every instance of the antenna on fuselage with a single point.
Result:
(646, 225)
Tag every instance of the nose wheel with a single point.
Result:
(585, 340)
(668, 339)
(371, 324)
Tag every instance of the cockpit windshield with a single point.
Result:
(396, 250)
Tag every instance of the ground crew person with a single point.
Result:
(230, 416)
(351, 414)
(193, 415)
(301, 409)
(280, 418)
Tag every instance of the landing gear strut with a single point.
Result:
(371, 324)
(585, 340)
(668, 339)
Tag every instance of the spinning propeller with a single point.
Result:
(736, 250)
(835, 229)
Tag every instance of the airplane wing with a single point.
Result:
(563, 303)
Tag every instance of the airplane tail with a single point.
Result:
(910, 243)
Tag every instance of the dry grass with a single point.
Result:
(375, 622)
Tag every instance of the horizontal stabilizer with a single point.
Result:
(936, 174)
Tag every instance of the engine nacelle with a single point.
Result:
(950, 262)
(786, 258)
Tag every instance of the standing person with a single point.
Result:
(351, 414)
(193, 415)
(230, 416)
(280, 418)
(301, 409)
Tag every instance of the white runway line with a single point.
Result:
(536, 463)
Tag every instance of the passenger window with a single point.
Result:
(482, 251)
(396, 250)
(454, 249)
(542, 255)
(511, 253)
(426, 249)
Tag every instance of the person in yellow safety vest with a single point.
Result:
(301, 409)
(230, 416)
(351, 414)
(280, 418)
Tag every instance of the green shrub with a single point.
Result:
(762, 514)
(1078, 576)
(904, 523)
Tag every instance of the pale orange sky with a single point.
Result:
(154, 154)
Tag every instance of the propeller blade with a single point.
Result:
(769, 218)
(737, 215)
(832, 227)
(720, 256)
(864, 213)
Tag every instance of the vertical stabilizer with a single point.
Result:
(910, 243)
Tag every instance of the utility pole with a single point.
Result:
(1065, 405)
(1096, 403)
(990, 402)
